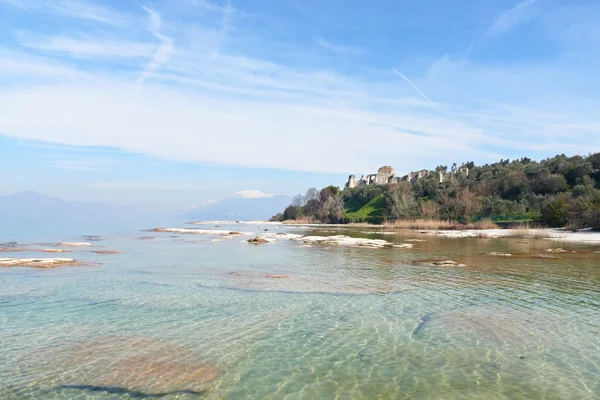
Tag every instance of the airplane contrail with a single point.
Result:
(413, 85)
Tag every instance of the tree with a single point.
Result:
(292, 212)
(311, 194)
(401, 203)
(298, 201)
(337, 207)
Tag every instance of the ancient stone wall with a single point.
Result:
(386, 175)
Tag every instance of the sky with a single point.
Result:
(168, 104)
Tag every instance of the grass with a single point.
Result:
(373, 208)
(304, 220)
(528, 231)
(420, 224)
(437, 224)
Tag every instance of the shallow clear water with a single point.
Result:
(186, 318)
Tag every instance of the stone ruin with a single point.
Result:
(385, 175)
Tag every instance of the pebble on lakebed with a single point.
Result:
(38, 262)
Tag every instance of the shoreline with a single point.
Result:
(559, 235)
(554, 234)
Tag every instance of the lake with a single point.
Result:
(203, 317)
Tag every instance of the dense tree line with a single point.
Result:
(560, 192)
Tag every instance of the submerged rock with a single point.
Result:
(147, 237)
(142, 366)
(275, 276)
(12, 249)
(557, 250)
(448, 263)
(290, 283)
(56, 251)
(258, 240)
(107, 252)
(38, 262)
(92, 238)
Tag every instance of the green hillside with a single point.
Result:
(373, 211)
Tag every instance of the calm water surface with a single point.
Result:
(184, 317)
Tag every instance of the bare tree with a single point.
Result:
(298, 201)
(337, 207)
(311, 194)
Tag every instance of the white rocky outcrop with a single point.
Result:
(37, 262)
(341, 240)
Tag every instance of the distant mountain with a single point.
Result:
(29, 215)
(244, 205)
(33, 206)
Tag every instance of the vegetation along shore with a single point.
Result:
(558, 192)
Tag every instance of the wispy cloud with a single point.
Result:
(72, 8)
(165, 48)
(18, 64)
(510, 18)
(235, 104)
(341, 49)
(88, 47)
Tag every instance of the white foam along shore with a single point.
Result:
(334, 240)
(585, 236)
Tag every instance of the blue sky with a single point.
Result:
(168, 104)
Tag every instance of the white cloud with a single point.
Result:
(252, 194)
(161, 121)
(510, 18)
(205, 104)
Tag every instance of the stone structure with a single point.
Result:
(386, 175)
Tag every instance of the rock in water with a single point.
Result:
(130, 364)
(258, 240)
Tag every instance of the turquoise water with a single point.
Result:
(181, 317)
